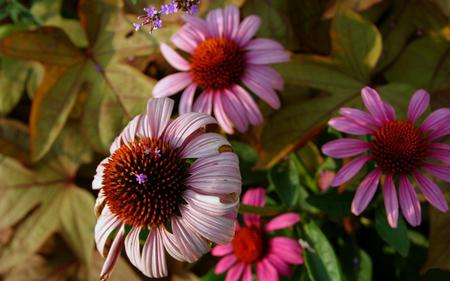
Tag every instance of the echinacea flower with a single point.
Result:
(253, 245)
(401, 151)
(223, 59)
(168, 186)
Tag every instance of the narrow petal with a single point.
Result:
(191, 245)
(172, 84)
(187, 99)
(225, 263)
(418, 104)
(263, 90)
(247, 29)
(439, 151)
(267, 56)
(359, 116)
(432, 192)
(97, 183)
(231, 21)
(106, 224)
(343, 148)
(436, 119)
(131, 130)
(288, 249)
(153, 255)
(113, 255)
(234, 110)
(282, 221)
(365, 192)
(390, 112)
(266, 272)
(222, 250)
(349, 170)
(187, 39)
(409, 203)
(263, 72)
(258, 44)
(390, 201)
(197, 23)
(440, 132)
(235, 272)
(205, 145)
(158, 116)
(215, 22)
(177, 61)
(204, 102)
(247, 276)
(349, 126)
(250, 107)
(375, 105)
(254, 197)
(439, 171)
(280, 265)
(171, 245)
(209, 204)
(222, 118)
(132, 247)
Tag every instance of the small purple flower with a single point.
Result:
(141, 178)
(168, 9)
(151, 12)
(158, 152)
(194, 9)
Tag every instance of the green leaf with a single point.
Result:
(285, 179)
(247, 160)
(333, 203)
(268, 211)
(356, 263)
(321, 263)
(396, 238)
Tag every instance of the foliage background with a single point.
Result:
(73, 73)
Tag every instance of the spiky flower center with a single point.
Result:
(399, 147)
(217, 63)
(248, 244)
(143, 182)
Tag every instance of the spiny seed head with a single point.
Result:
(143, 182)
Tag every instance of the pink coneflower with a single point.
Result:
(168, 185)
(401, 151)
(223, 57)
(253, 246)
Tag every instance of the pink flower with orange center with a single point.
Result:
(253, 245)
(168, 186)
(223, 61)
(401, 151)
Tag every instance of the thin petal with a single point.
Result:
(349, 170)
(359, 116)
(187, 99)
(177, 61)
(222, 118)
(263, 72)
(251, 108)
(197, 23)
(205, 145)
(231, 21)
(204, 102)
(254, 197)
(282, 221)
(418, 104)
(439, 151)
(365, 192)
(225, 263)
(172, 84)
(171, 245)
(375, 105)
(263, 44)
(222, 250)
(209, 204)
(436, 119)
(247, 29)
(409, 203)
(97, 183)
(266, 272)
(191, 245)
(439, 171)
(106, 224)
(263, 90)
(343, 148)
(288, 249)
(280, 265)
(234, 110)
(349, 126)
(153, 255)
(432, 192)
(132, 247)
(113, 255)
(235, 272)
(186, 39)
(390, 112)
(267, 56)
(440, 132)
(158, 115)
(247, 276)
(215, 22)
(390, 201)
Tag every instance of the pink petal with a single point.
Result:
(263, 90)
(215, 22)
(254, 197)
(439, 151)
(231, 21)
(106, 224)
(282, 221)
(129, 133)
(225, 263)
(187, 99)
(234, 110)
(281, 266)
(210, 204)
(390, 112)
(247, 276)
(113, 255)
(439, 171)
(267, 56)
(222, 250)
(185, 39)
(205, 145)
(262, 73)
(349, 170)
(375, 105)
(197, 24)
(263, 44)
(266, 272)
(436, 120)
(247, 29)
(158, 116)
(432, 192)
(171, 245)
(222, 118)
(97, 183)
(153, 256)
(365, 192)
(288, 249)
(418, 104)
(409, 203)
(439, 132)
(235, 272)
(177, 61)
(251, 108)
(361, 117)
(390, 201)
(343, 148)
(349, 126)
(191, 245)
(172, 84)
(132, 247)
(204, 102)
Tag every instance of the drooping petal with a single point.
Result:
(172, 84)
(133, 248)
(266, 272)
(177, 61)
(171, 245)
(235, 272)
(187, 99)
(263, 90)
(234, 110)
(365, 192)
(251, 108)
(418, 104)
(409, 203)
(288, 249)
(439, 171)
(267, 56)
(436, 119)
(375, 105)
(204, 102)
(98, 178)
(209, 204)
(247, 29)
(263, 72)
(225, 263)
(231, 21)
(343, 148)
(439, 151)
(158, 116)
(282, 221)
(190, 244)
(215, 22)
(247, 276)
(349, 170)
(222, 118)
(106, 224)
(153, 255)
(359, 116)
(432, 192)
(222, 250)
(113, 255)
(349, 126)
(205, 145)
(390, 201)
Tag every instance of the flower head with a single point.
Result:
(400, 150)
(253, 245)
(223, 58)
(168, 185)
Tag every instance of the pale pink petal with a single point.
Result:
(349, 126)
(187, 99)
(184, 126)
(129, 133)
(113, 255)
(375, 105)
(263, 72)
(222, 118)
(191, 245)
(266, 272)
(436, 119)
(153, 255)
(282, 221)
(185, 39)
(235, 272)
(209, 204)
(204, 102)
(177, 61)
(97, 183)
(106, 224)
(234, 110)
(132, 247)
(224, 159)
(251, 108)
(197, 23)
(365, 192)
(349, 170)
(99, 203)
(418, 104)
(266, 56)
(281, 266)
(205, 145)
(247, 29)
(409, 203)
(231, 21)
(359, 116)
(158, 116)
(439, 171)
(288, 249)
(171, 245)
(254, 197)
(390, 201)
(215, 23)
(263, 44)
(222, 250)
(439, 151)
(263, 90)
(432, 192)
(225, 263)
(247, 276)
(343, 148)
(172, 84)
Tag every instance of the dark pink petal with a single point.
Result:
(231, 21)
(432, 192)
(247, 276)
(187, 99)
(222, 118)
(171, 84)
(214, 19)
(439, 151)
(263, 72)
(349, 170)
(247, 29)
(436, 120)
(225, 263)
(266, 272)
(349, 126)
(418, 104)
(409, 203)
(288, 249)
(389, 111)
(235, 272)
(390, 201)
(440, 132)
(343, 148)
(204, 102)
(359, 116)
(281, 266)
(254, 197)
(222, 250)
(263, 90)
(177, 61)
(365, 192)
(282, 221)
(251, 108)
(375, 105)
(267, 56)
(234, 110)
(439, 171)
